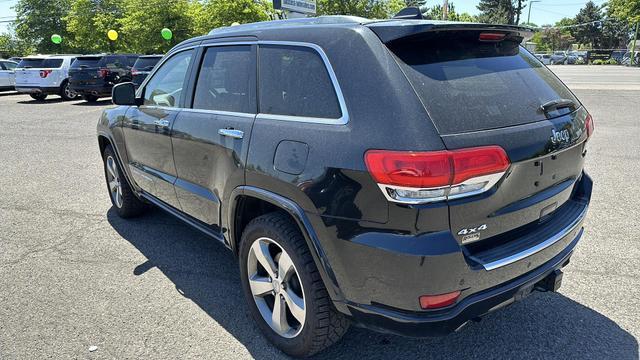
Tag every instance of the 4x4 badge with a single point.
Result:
(476, 229)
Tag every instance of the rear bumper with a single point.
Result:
(28, 89)
(102, 90)
(443, 322)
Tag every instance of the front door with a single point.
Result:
(211, 137)
(147, 129)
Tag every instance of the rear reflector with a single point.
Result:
(420, 177)
(588, 123)
(438, 301)
(487, 36)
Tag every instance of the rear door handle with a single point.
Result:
(159, 122)
(232, 133)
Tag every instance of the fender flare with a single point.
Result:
(125, 169)
(317, 252)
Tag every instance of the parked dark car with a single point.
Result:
(93, 76)
(143, 67)
(406, 175)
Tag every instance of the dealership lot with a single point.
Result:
(73, 275)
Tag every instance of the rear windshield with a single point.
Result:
(86, 62)
(30, 63)
(146, 63)
(113, 62)
(52, 63)
(468, 85)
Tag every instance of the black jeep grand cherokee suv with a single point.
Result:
(405, 175)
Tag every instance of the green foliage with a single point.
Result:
(598, 62)
(372, 9)
(217, 13)
(37, 20)
(11, 46)
(590, 33)
(612, 62)
(628, 10)
(500, 11)
(89, 21)
(435, 13)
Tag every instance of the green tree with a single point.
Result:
(11, 46)
(212, 14)
(37, 20)
(88, 22)
(372, 9)
(628, 10)
(590, 30)
(500, 11)
(435, 13)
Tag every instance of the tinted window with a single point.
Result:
(131, 60)
(52, 63)
(468, 85)
(165, 87)
(226, 81)
(113, 62)
(146, 63)
(86, 61)
(30, 63)
(9, 65)
(294, 81)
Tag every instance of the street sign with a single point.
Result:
(299, 6)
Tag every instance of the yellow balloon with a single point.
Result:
(112, 35)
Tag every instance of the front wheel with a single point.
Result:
(125, 202)
(283, 288)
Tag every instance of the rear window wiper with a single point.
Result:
(557, 104)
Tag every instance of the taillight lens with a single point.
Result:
(588, 123)
(103, 73)
(438, 301)
(421, 177)
(44, 73)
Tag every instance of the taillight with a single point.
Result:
(588, 123)
(487, 36)
(422, 177)
(44, 73)
(438, 301)
(103, 73)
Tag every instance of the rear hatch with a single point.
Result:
(28, 71)
(481, 88)
(84, 71)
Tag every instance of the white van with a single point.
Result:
(40, 76)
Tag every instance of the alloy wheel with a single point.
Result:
(113, 179)
(70, 94)
(276, 287)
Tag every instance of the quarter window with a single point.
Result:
(226, 81)
(165, 87)
(295, 82)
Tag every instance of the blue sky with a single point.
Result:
(544, 12)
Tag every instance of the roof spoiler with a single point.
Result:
(391, 30)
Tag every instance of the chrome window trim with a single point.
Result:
(343, 120)
(537, 248)
(218, 112)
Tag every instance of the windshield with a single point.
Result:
(86, 61)
(146, 63)
(30, 63)
(468, 85)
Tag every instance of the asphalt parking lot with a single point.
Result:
(73, 275)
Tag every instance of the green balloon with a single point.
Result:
(56, 39)
(166, 34)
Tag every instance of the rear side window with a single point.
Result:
(8, 65)
(52, 63)
(294, 81)
(468, 85)
(226, 81)
(146, 63)
(30, 63)
(165, 87)
(86, 62)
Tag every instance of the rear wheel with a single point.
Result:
(38, 96)
(90, 98)
(122, 197)
(285, 294)
(66, 92)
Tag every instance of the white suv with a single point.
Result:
(7, 75)
(40, 76)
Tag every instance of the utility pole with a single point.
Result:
(633, 46)
(445, 10)
(531, 5)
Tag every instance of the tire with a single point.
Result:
(66, 93)
(38, 96)
(90, 98)
(322, 325)
(124, 201)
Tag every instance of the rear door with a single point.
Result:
(147, 128)
(481, 93)
(211, 139)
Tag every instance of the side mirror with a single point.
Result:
(124, 94)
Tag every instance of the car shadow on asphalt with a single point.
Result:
(545, 325)
(102, 102)
(48, 100)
